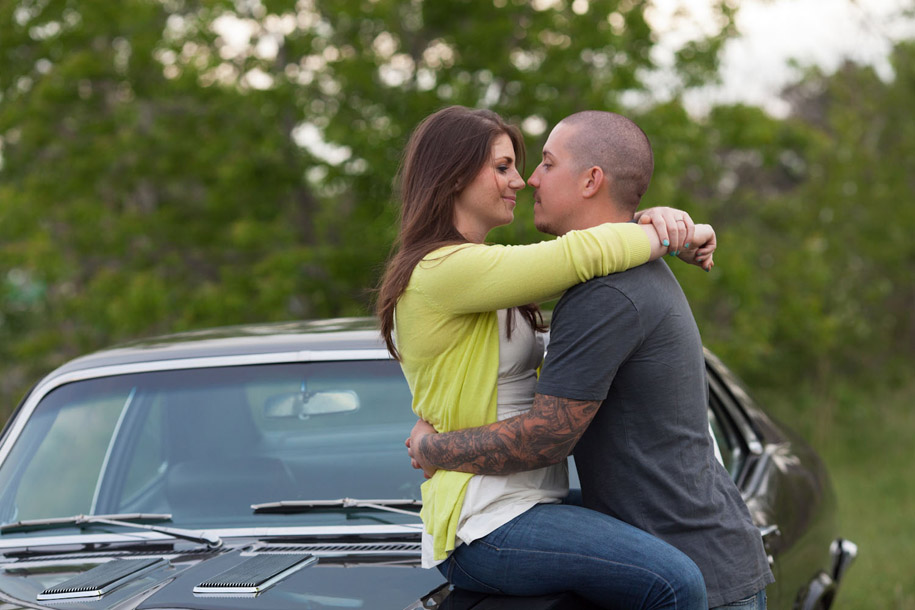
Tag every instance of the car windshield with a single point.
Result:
(204, 445)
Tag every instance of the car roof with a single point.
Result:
(353, 333)
(282, 337)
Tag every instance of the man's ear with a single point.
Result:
(593, 181)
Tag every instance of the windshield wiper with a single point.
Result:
(304, 506)
(124, 520)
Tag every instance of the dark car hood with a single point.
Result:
(374, 575)
(376, 579)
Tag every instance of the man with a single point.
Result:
(623, 382)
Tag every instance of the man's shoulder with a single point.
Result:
(599, 288)
(584, 304)
(638, 279)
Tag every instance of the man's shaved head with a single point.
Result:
(616, 145)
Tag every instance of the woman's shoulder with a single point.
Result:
(446, 250)
(450, 257)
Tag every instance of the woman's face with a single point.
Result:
(489, 200)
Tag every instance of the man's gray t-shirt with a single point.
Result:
(647, 458)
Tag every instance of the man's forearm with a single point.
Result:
(545, 435)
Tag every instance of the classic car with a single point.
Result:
(264, 467)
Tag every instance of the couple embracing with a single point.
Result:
(659, 524)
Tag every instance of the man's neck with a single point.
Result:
(596, 215)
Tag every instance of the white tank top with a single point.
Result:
(492, 501)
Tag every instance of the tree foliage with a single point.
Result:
(172, 164)
(176, 164)
(814, 218)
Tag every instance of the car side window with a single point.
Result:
(723, 450)
(725, 432)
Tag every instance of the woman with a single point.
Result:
(467, 365)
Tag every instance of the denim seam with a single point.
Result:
(455, 565)
(743, 603)
(747, 602)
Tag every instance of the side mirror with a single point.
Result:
(304, 405)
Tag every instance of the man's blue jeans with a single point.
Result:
(559, 547)
(754, 602)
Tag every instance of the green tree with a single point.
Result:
(133, 200)
(172, 164)
(814, 216)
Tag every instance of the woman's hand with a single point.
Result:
(675, 228)
(420, 429)
(692, 243)
(702, 249)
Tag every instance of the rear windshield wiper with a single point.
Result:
(304, 506)
(123, 520)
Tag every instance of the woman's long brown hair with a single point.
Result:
(445, 153)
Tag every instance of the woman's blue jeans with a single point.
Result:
(560, 547)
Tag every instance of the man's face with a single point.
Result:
(556, 183)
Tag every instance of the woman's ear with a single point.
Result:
(593, 180)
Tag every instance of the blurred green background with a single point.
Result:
(176, 164)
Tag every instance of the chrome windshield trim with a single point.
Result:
(55, 382)
(111, 441)
(33, 542)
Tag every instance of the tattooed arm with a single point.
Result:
(544, 435)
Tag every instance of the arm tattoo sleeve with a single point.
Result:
(544, 435)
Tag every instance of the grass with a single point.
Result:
(865, 439)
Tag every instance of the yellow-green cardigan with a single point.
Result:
(447, 333)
